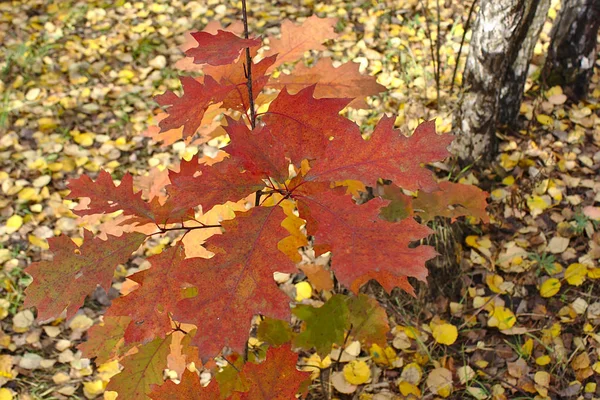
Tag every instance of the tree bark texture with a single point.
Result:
(572, 52)
(511, 93)
(499, 30)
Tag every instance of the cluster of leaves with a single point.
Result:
(299, 167)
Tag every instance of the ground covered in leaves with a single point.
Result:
(512, 309)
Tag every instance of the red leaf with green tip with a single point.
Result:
(199, 184)
(188, 110)
(105, 340)
(362, 243)
(387, 154)
(151, 303)
(304, 124)
(142, 370)
(74, 272)
(344, 81)
(237, 283)
(219, 49)
(188, 389)
(368, 319)
(276, 378)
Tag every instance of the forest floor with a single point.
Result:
(76, 82)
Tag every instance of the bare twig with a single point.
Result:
(248, 68)
(462, 42)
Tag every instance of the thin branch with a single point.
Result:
(437, 45)
(184, 228)
(462, 42)
(248, 69)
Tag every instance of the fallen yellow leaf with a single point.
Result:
(445, 333)
(357, 372)
(550, 287)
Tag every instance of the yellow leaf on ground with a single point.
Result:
(5, 394)
(544, 119)
(445, 334)
(502, 318)
(303, 291)
(13, 224)
(543, 360)
(575, 274)
(407, 389)
(550, 287)
(357, 372)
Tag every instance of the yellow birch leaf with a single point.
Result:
(357, 372)
(502, 318)
(575, 274)
(550, 287)
(445, 334)
(303, 291)
(543, 360)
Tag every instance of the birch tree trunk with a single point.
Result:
(572, 52)
(511, 93)
(499, 30)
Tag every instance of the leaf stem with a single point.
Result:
(165, 230)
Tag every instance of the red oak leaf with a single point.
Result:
(222, 48)
(199, 184)
(276, 378)
(142, 370)
(106, 197)
(234, 75)
(304, 124)
(188, 389)
(237, 283)
(258, 151)
(361, 241)
(187, 63)
(295, 40)
(188, 110)
(387, 154)
(452, 200)
(151, 303)
(74, 272)
(343, 81)
(105, 340)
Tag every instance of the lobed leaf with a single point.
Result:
(74, 272)
(237, 283)
(222, 48)
(344, 81)
(387, 154)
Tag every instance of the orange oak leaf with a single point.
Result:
(304, 124)
(188, 110)
(105, 340)
(361, 242)
(452, 200)
(276, 378)
(226, 291)
(74, 272)
(150, 305)
(219, 49)
(387, 154)
(234, 75)
(142, 370)
(295, 40)
(257, 150)
(188, 389)
(198, 184)
(343, 81)
(318, 276)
